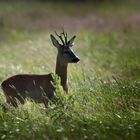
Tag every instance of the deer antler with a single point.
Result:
(60, 38)
(65, 36)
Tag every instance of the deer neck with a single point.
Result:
(61, 71)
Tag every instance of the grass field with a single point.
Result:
(104, 87)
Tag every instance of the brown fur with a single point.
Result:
(38, 88)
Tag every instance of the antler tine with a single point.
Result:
(60, 38)
(65, 36)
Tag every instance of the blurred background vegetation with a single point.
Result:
(103, 100)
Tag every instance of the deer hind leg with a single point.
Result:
(15, 100)
(10, 101)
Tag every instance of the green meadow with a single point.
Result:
(103, 102)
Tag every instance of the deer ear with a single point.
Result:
(54, 41)
(71, 41)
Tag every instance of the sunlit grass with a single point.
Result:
(103, 100)
(103, 89)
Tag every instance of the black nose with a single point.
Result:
(75, 60)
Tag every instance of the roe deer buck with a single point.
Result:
(39, 88)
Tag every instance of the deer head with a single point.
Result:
(65, 53)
